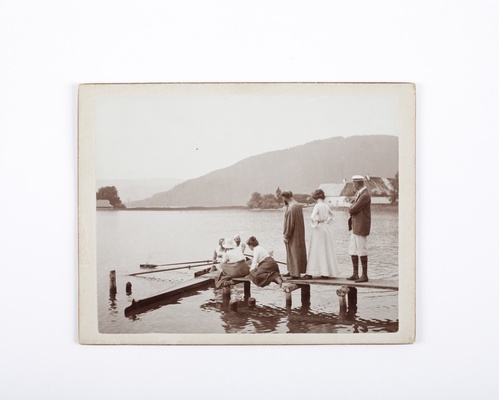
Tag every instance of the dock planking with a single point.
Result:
(372, 283)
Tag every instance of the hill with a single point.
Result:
(300, 169)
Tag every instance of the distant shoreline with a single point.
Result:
(187, 208)
(207, 208)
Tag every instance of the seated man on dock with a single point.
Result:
(240, 244)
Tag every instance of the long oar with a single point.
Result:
(172, 269)
(278, 262)
(167, 265)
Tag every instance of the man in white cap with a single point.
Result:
(360, 225)
(237, 239)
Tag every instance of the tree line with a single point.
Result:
(110, 193)
(274, 201)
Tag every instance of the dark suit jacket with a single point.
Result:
(360, 212)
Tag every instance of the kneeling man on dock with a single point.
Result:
(360, 225)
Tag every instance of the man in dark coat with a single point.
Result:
(294, 237)
(360, 225)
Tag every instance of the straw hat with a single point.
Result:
(229, 244)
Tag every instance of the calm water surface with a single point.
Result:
(126, 239)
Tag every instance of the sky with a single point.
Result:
(191, 130)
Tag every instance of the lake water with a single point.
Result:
(126, 239)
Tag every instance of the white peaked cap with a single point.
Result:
(357, 178)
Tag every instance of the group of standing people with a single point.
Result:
(321, 260)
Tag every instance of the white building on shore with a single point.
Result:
(334, 196)
(104, 204)
(341, 194)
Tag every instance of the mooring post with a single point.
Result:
(342, 314)
(252, 302)
(352, 296)
(233, 305)
(112, 283)
(305, 294)
(233, 302)
(128, 288)
(288, 289)
(341, 292)
(247, 289)
(226, 293)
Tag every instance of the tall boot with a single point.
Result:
(355, 262)
(363, 278)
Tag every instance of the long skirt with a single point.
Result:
(321, 254)
(231, 270)
(266, 272)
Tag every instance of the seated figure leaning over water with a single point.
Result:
(232, 265)
(264, 269)
(218, 254)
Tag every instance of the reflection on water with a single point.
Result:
(113, 306)
(126, 239)
(263, 318)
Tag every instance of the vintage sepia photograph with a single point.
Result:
(247, 213)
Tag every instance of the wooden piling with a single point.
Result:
(247, 289)
(288, 289)
(305, 294)
(341, 292)
(251, 302)
(112, 283)
(352, 296)
(128, 288)
(226, 290)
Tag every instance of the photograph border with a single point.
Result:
(87, 269)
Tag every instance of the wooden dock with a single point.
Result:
(347, 290)
(373, 283)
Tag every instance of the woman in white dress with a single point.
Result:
(321, 255)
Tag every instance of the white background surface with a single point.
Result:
(449, 49)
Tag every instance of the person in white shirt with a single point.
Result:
(218, 253)
(232, 253)
(264, 269)
(232, 265)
